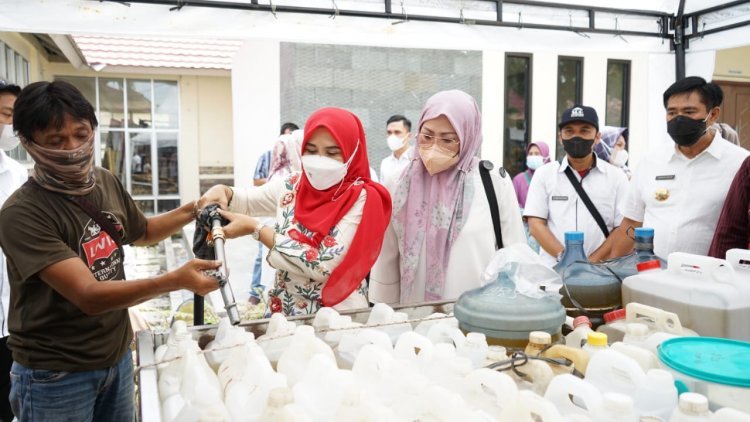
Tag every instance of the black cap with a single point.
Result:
(579, 113)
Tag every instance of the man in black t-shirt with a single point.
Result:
(68, 318)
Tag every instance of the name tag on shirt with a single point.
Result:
(559, 198)
(666, 177)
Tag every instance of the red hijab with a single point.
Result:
(320, 211)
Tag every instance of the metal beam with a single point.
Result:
(679, 42)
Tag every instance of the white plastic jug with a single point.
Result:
(615, 407)
(437, 318)
(443, 333)
(657, 396)
(227, 337)
(638, 334)
(711, 296)
(656, 319)
(611, 371)
(339, 327)
(727, 414)
(645, 358)
(693, 407)
(565, 388)
(595, 343)
(303, 347)
(321, 390)
(489, 390)
(351, 343)
(411, 343)
(281, 408)
(534, 407)
(475, 349)
(277, 337)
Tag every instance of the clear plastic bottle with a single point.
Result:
(614, 325)
(693, 408)
(595, 343)
(581, 330)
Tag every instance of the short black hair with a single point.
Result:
(42, 105)
(288, 126)
(710, 94)
(400, 118)
(9, 88)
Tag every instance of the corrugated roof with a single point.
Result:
(158, 52)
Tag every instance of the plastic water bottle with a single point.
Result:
(581, 330)
(693, 408)
(595, 343)
(573, 251)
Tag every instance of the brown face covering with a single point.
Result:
(70, 172)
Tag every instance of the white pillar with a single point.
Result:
(493, 113)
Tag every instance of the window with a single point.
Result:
(517, 111)
(138, 136)
(569, 89)
(618, 93)
(14, 69)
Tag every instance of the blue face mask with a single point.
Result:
(533, 162)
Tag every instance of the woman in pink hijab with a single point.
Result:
(537, 155)
(440, 238)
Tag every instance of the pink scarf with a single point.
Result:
(429, 211)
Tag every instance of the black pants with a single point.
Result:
(6, 360)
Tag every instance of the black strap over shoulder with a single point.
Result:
(485, 167)
(587, 201)
(92, 211)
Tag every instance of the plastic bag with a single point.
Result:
(527, 270)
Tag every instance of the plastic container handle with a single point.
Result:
(739, 259)
(502, 385)
(667, 322)
(701, 268)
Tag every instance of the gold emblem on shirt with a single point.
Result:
(661, 194)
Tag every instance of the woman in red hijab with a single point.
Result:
(330, 218)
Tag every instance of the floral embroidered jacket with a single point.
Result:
(302, 270)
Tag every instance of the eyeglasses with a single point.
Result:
(425, 141)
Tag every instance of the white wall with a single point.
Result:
(255, 105)
(493, 106)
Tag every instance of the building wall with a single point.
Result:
(37, 61)
(733, 64)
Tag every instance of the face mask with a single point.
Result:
(578, 147)
(686, 131)
(533, 162)
(324, 172)
(8, 139)
(437, 160)
(65, 171)
(395, 143)
(619, 158)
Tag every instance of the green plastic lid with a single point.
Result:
(718, 360)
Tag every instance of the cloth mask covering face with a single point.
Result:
(324, 172)
(8, 139)
(436, 159)
(395, 143)
(619, 158)
(578, 147)
(685, 131)
(533, 162)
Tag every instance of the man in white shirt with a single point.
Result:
(12, 176)
(679, 192)
(553, 205)
(398, 129)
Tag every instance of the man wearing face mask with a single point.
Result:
(559, 192)
(679, 190)
(398, 129)
(12, 176)
(62, 233)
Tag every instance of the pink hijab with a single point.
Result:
(430, 211)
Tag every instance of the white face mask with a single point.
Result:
(8, 139)
(395, 143)
(619, 158)
(534, 161)
(324, 172)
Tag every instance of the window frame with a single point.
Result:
(625, 111)
(528, 82)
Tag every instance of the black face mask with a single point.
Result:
(578, 147)
(686, 131)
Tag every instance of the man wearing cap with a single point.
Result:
(679, 189)
(579, 193)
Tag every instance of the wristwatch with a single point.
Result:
(256, 233)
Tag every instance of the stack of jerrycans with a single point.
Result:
(711, 296)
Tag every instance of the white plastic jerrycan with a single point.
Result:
(611, 371)
(303, 347)
(572, 395)
(277, 337)
(489, 391)
(658, 320)
(474, 348)
(437, 318)
(281, 408)
(351, 343)
(657, 396)
(410, 344)
(615, 407)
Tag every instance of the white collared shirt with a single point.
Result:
(12, 176)
(552, 197)
(681, 198)
(391, 167)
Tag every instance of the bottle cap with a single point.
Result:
(597, 339)
(581, 320)
(476, 338)
(693, 403)
(636, 329)
(654, 264)
(615, 315)
(644, 232)
(540, 337)
(574, 236)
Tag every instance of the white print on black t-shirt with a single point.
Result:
(100, 252)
